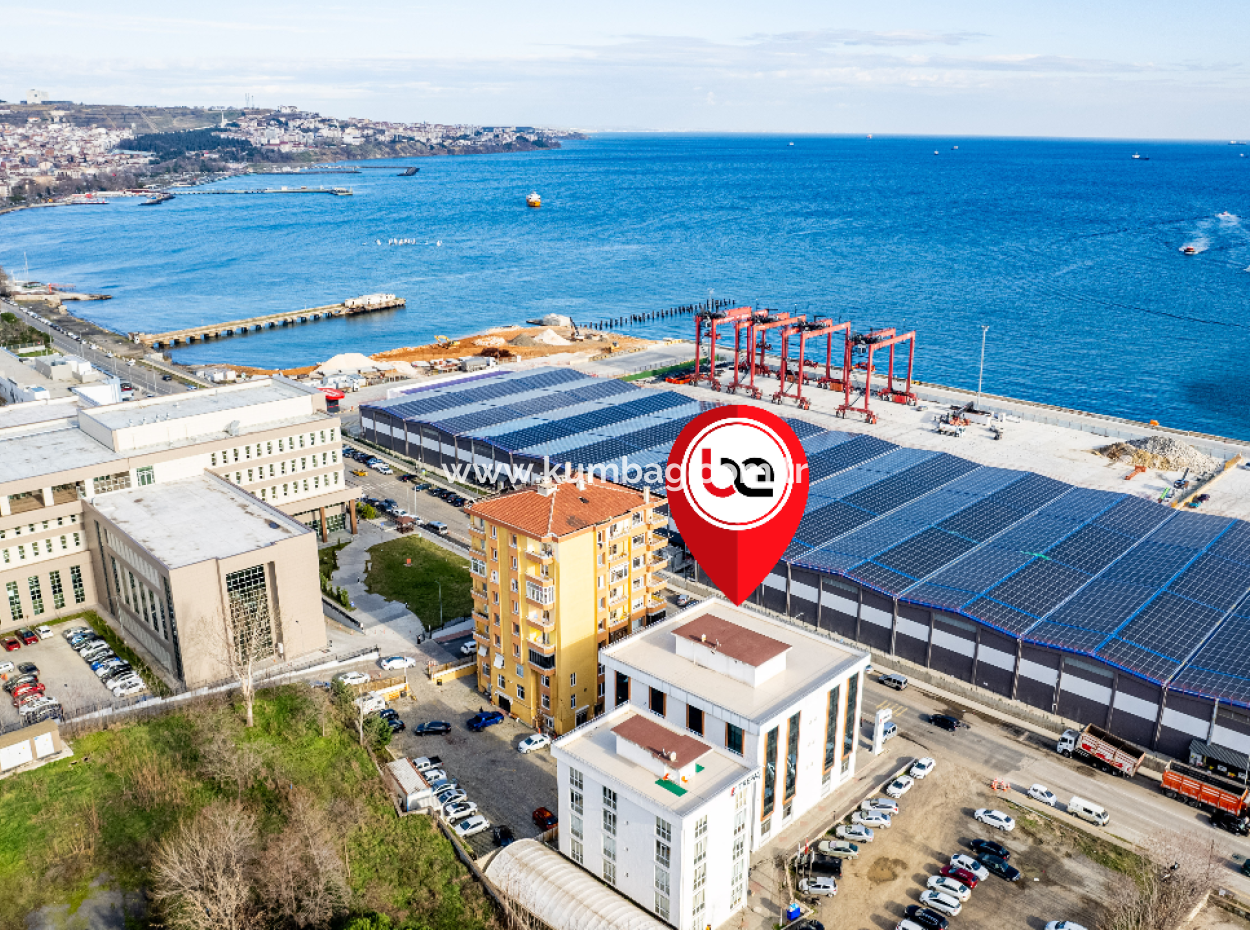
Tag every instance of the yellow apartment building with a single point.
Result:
(560, 570)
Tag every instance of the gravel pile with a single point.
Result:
(1165, 453)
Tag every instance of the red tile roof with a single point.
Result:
(566, 510)
(661, 742)
(732, 640)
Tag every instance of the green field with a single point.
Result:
(105, 812)
(417, 584)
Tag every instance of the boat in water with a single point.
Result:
(1189, 250)
(1137, 157)
(533, 200)
(1226, 216)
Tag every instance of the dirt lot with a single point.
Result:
(935, 821)
(66, 676)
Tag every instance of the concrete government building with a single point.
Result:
(174, 515)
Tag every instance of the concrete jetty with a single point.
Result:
(336, 191)
(168, 340)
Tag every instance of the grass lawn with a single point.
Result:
(63, 825)
(328, 559)
(417, 585)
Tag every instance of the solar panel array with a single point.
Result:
(1161, 593)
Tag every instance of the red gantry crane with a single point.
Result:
(870, 342)
(747, 367)
(711, 319)
(817, 329)
(759, 334)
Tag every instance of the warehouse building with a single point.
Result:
(1095, 604)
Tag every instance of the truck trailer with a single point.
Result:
(1102, 750)
(1199, 788)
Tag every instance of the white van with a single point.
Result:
(369, 703)
(889, 731)
(895, 681)
(1088, 810)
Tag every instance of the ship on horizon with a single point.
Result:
(533, 200)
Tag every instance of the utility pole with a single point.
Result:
(981, 375)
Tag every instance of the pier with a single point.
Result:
(336, 191)
(192, 334)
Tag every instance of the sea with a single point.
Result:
(1070, 251)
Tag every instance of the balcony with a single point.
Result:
(481, 636)
(543, 556)
(542, 644)
(478, 595)
(656, 564)
(619, 555)
(655, 543)
(657, 520)
(656, 583)
(536, 619)
(543, 663)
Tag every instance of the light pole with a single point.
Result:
(440, 602)
(984, 329)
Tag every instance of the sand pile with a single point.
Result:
(489, 341)
(525, 340)
(1165, 453)
(550, 337)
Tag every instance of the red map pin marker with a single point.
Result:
(737, 486)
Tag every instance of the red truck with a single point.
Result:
(1102, 750)
(1200, 788)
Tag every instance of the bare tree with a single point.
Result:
(203, 871)
(303, 881)
(1178, 873)
(239, 644)
(229, 762)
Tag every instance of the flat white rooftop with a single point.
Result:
(194, 404)
(48, 452)
(196, 519)
(33, 412)
(595, 747)
(810, 661)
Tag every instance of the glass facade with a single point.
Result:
(831, 729)
(15, 600)
(770, 774)
(852, 714)
(75, 580)
(58, 592)
(792, 756)
(36, 595)
(251, 625)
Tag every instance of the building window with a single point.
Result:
(520, 672)
(663, 854)
(36, 595)
(694, 719)
(58, 592)
(609, 848)
(503, 682)
(609, 798)
(118, 482)
(145, 476)
(75, 580)
(622, 689)
(655, 701)
(575, 801)
(599, 690)
(770, 774)
(77, 543)
(576, 826)
(576, 851)
(213, 459)
(609, 867)
(661, 901)
(733, 738)
(609, 822)
(575, 779)
(64, 543)
(251, 627)
(831, 729)
(573, 680)
(792, 756)
(520, 692)
(573, 702)
(852, 714)
(15, 600)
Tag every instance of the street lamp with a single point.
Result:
(984, 329)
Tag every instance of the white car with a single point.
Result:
(1046, 796)
(471, 826)
(996, 819)
(838, 848)
(821, 885)
(458, 809)
(390, 663)
(433, 775)
(940, 901)
(468, 649)
(922, 767)
(450, 796)
(352, 678)
(871, 818)
(889, 805)
(6, 667)
(949, 886)
(900, 786)
(856, 832)
(132, 688)
(45, 631)
(531, 743)
(961, 861)
(399, 512)
(1063, 925)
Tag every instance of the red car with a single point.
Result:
(544, 819)
(11, 643)
(963, 876)
(27, 691)
(28, 636)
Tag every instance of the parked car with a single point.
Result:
(817, 864)
(28, 636)
(941, 902)
(544, 819)
(990, 848)
(900, 786)
(471, 826)
(126, 690)
(839, 848)
(503, 836)
(45, 631)
(27, 691)
(535, 742)
(949, 886)
(996, 819)
(28, 668)
(434, 526)
(425, 763)
(1063, 925)
(479, 722)
(450, 795)
(1230, 822)
(889, 805)
(434, 776)
(352, 678)
(683, 600)
(945, 722)
(458, 809)
(821, 885)
(926, 917)
(961, 875)
(395, 724)
(439, 785)
(75, 631)
(431, 728)
(468, 649)
(999, 867)
(962, 861)
(11, 643)
(922, 767)
(856, 832)
(5, 668)
(14, 683)
(110, 677)
(391, 663)
(1043, 794)
(871, 818)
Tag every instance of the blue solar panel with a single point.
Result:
(1007, 619)
(1213, 581)
(1234, 543)
(924, 553)
(882, 579)
(1090, 549)
(1135, 517)
(1038, 587)
(981, 570)
(830, 522)
(1073, 639)
(1030, 493)
(981, 521)
(1193, 530)
(1102, 606)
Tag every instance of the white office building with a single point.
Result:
(725, 727)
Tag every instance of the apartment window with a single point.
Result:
(831, 729)
(662, 882)
(663, 854)
(21, 553)
(494, 532)
(576, 829)
(573, 702)
(573, 679)
(64, 543)
(15, 600)
(269, 448)
(512, 543)
(75, 580)
(36, 595)
(247, 452)
(494, 555)
(622, 689)
(514, 561)
(213, 459)
(238, 477)
(575, 802)
(236, 454)
(848, 727)
(733, 738)
(58, 592)
(503, 682)
(609, 866)
(599, 691)
(655, 701)
(145, 476)
(249, 475)
(694, 719)
(546, 702)
(520, 692)
(609, 822)
(576, 851)
(770, 774)
(546, 679)
(792, 756)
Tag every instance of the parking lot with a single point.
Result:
(506, 785)
(66, 676)
(421, 504)
(935, 820)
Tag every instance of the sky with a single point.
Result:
(1143, 69)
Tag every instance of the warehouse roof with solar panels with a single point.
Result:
(1158, 592)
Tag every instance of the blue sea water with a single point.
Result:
(1068, 250)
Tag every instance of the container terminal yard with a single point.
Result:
(990, 540)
